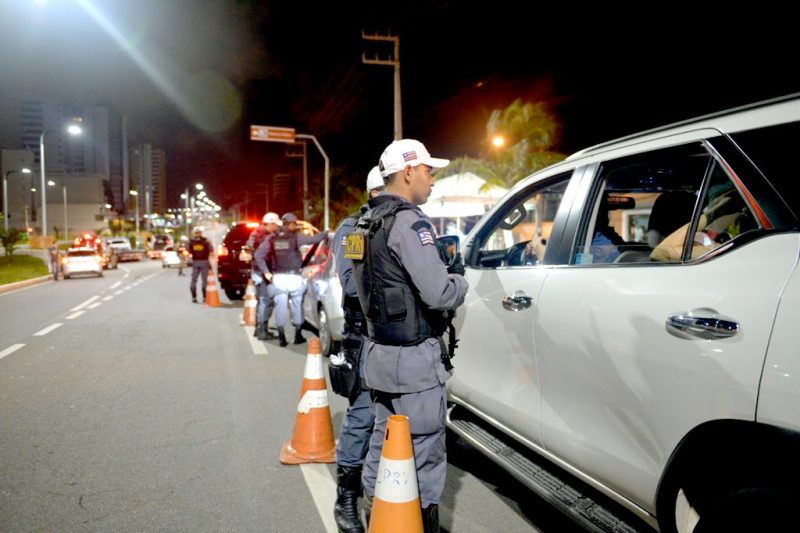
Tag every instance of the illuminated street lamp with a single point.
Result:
(498, 141)
(5, 193)
(136, 194)
(52, 183)
(72, 129)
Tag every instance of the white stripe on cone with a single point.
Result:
(397, 481)
(313, 366)
(250, 303)
(312, 399)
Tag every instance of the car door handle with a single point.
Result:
(702, 324)
(517, 302)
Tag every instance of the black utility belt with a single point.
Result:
(295, 272)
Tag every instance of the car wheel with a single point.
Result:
(234, 294)
(750, 509)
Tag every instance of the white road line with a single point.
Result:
(48, 329)
(11, 349)
(118, 293)
(323, 491)
(129, 287)
(84, 304)
(75, 315)
(107, 298)
(117, 284)
(95, 305)
(257, 345)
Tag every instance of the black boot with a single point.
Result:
(204, 295)
(298, 335)
(430, 519)
(367, 507)
(282, 337)
(259, 332)
(263, 334)
(348, 489)
(194, 295)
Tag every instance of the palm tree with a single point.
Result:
(528, 132)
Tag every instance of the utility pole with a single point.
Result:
(304, 155)
(392, 62)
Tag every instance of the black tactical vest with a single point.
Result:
(285, 253)
(200, 248)
(396, 315)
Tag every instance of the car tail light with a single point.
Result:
(252, 224)
(64, 261)
(222, 251)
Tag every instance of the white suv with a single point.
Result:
(634, 320)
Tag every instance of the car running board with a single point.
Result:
(497, 446)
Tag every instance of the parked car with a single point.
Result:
(120, 243)
(81, 261)
(233, 267)
(322, 302)
(158, 243)
(122, 246)
(631, 327)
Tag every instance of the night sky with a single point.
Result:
(193, 75)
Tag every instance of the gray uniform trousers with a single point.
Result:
(427, 436)
(266, 302)
(281, 299)
(199, 268)
(357, 424)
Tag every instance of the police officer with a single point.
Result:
(408, 298)
(281, 251)
(269, 224)
(348, 380)
(183, 249)
(201, 250)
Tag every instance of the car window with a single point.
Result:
(521, 231)
(81, 253)
(644, 207)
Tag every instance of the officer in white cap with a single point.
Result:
(347, 378)
(269, 225)
(408, 297)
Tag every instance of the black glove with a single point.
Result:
(457, 267)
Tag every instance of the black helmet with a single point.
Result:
(289, 217)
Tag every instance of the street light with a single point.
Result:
(498, 141)
(136, 194)
(73, 129)
(52, 183)
(5, 194)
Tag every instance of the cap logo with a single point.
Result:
(408, 156)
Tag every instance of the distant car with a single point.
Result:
(160, 243)
(81, 261)
(234, 271)
(322, 302)
(170, 258)
(120, 243)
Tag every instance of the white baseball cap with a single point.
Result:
(407, 152)
(374, 179)
(271, 218)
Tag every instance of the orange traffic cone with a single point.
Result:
(250, 304)
(212, 295)
(312, 441)
(396, 505)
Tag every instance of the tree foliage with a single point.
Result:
(531, 131)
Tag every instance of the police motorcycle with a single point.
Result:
(344, 366)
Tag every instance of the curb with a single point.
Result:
(8, 287)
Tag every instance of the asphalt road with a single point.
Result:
(125, 407)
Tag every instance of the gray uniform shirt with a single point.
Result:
(404, 369)
(260, 257)
(344, 266)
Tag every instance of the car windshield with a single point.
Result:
(80, 253)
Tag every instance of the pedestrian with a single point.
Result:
(281, 251)
(55, 261)
(201, 251)
(409, 298)
(264, 291)
(183, 251)
(347, 378)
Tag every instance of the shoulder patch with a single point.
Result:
(425, 236)
(420, 224)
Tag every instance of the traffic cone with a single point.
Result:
(312, 441)
(395, 504)
(250, 304)
(212, 295)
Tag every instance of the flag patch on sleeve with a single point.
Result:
(425, 236)
(344, 240)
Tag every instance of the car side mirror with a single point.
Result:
(448, 247)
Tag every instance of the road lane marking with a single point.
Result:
(11, 349)
(75, 315)
(129, 287)
(84, 304)
(107, 298)
(95, 305)
(114, 286)
(323, 491)
(118, 293)
(257, 345)
(48, 329)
